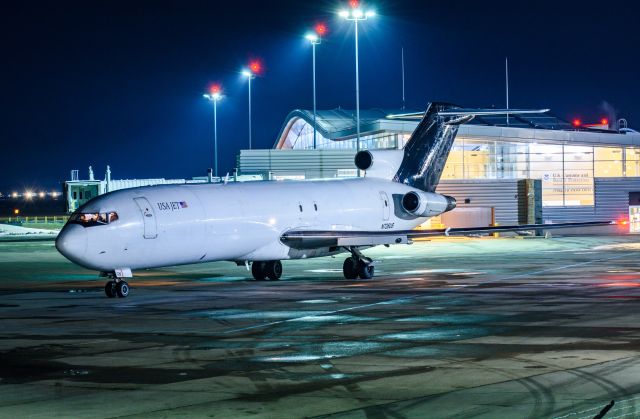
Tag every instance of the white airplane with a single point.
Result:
(258, 224)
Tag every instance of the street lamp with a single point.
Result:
(356, 14)
(250, 73)
(214, 96)
(314, 39)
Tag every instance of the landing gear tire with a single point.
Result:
(110, 289)
(273, 270)
(258, 271)
(349, 268)
(365, 270)
(122, 289)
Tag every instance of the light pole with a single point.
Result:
(356, 14)
(214, 96)
(314, 40)
(255, 67)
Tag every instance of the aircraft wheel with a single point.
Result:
(258, 271)
(273, 270)
(365, 270)
(122, 289)
(349, 268)
(110, 289)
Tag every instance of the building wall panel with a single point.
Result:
(499, 194)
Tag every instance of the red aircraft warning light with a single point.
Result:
(354, 4)
(604, 121)
(255, 66)
(577, 122)
(321, 29)
(215, 89)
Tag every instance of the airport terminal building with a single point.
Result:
(581, 173)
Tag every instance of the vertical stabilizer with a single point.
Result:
(427, 150)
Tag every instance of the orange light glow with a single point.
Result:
(16, 211)
(354, 4)
(604, 121)
(577, 122)
(621, 284)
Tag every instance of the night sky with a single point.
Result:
(121, 83)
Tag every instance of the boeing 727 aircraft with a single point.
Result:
(258, 224)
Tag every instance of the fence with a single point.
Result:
(46, 219)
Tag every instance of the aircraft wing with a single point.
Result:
(311, 239)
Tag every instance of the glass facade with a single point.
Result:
(300, 137)
(632, 161)
(567, 172)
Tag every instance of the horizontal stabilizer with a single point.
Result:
(470, 112)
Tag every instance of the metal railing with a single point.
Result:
(38, 219)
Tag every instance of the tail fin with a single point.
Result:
(428, 148)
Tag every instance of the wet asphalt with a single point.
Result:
(447, 328)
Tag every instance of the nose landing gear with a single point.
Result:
(358, 265)
(116, 287)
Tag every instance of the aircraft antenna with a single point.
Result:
(506, 80)
(402, 55)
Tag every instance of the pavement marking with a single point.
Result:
(391, 301)
(600, 407)
(573, 265)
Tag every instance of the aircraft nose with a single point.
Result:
(72, 242)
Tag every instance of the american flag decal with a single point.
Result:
(183, 204)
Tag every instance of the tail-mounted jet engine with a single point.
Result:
(381, 164)
(427, 204)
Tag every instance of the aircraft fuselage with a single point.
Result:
(182, 224)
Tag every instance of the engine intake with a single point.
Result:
(427, 204)
(381, 164)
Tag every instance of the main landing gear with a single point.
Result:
(358, 265)
(116, 287)
(263, 270)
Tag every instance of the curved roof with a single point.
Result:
(338, 123)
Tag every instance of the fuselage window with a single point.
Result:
(300, 207)
(93, 219)
(315, 206)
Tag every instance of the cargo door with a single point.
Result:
(148, 218)
(386, 206)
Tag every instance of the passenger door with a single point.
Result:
(148, 218)
(386, 206)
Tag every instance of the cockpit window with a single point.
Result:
(93, 218)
